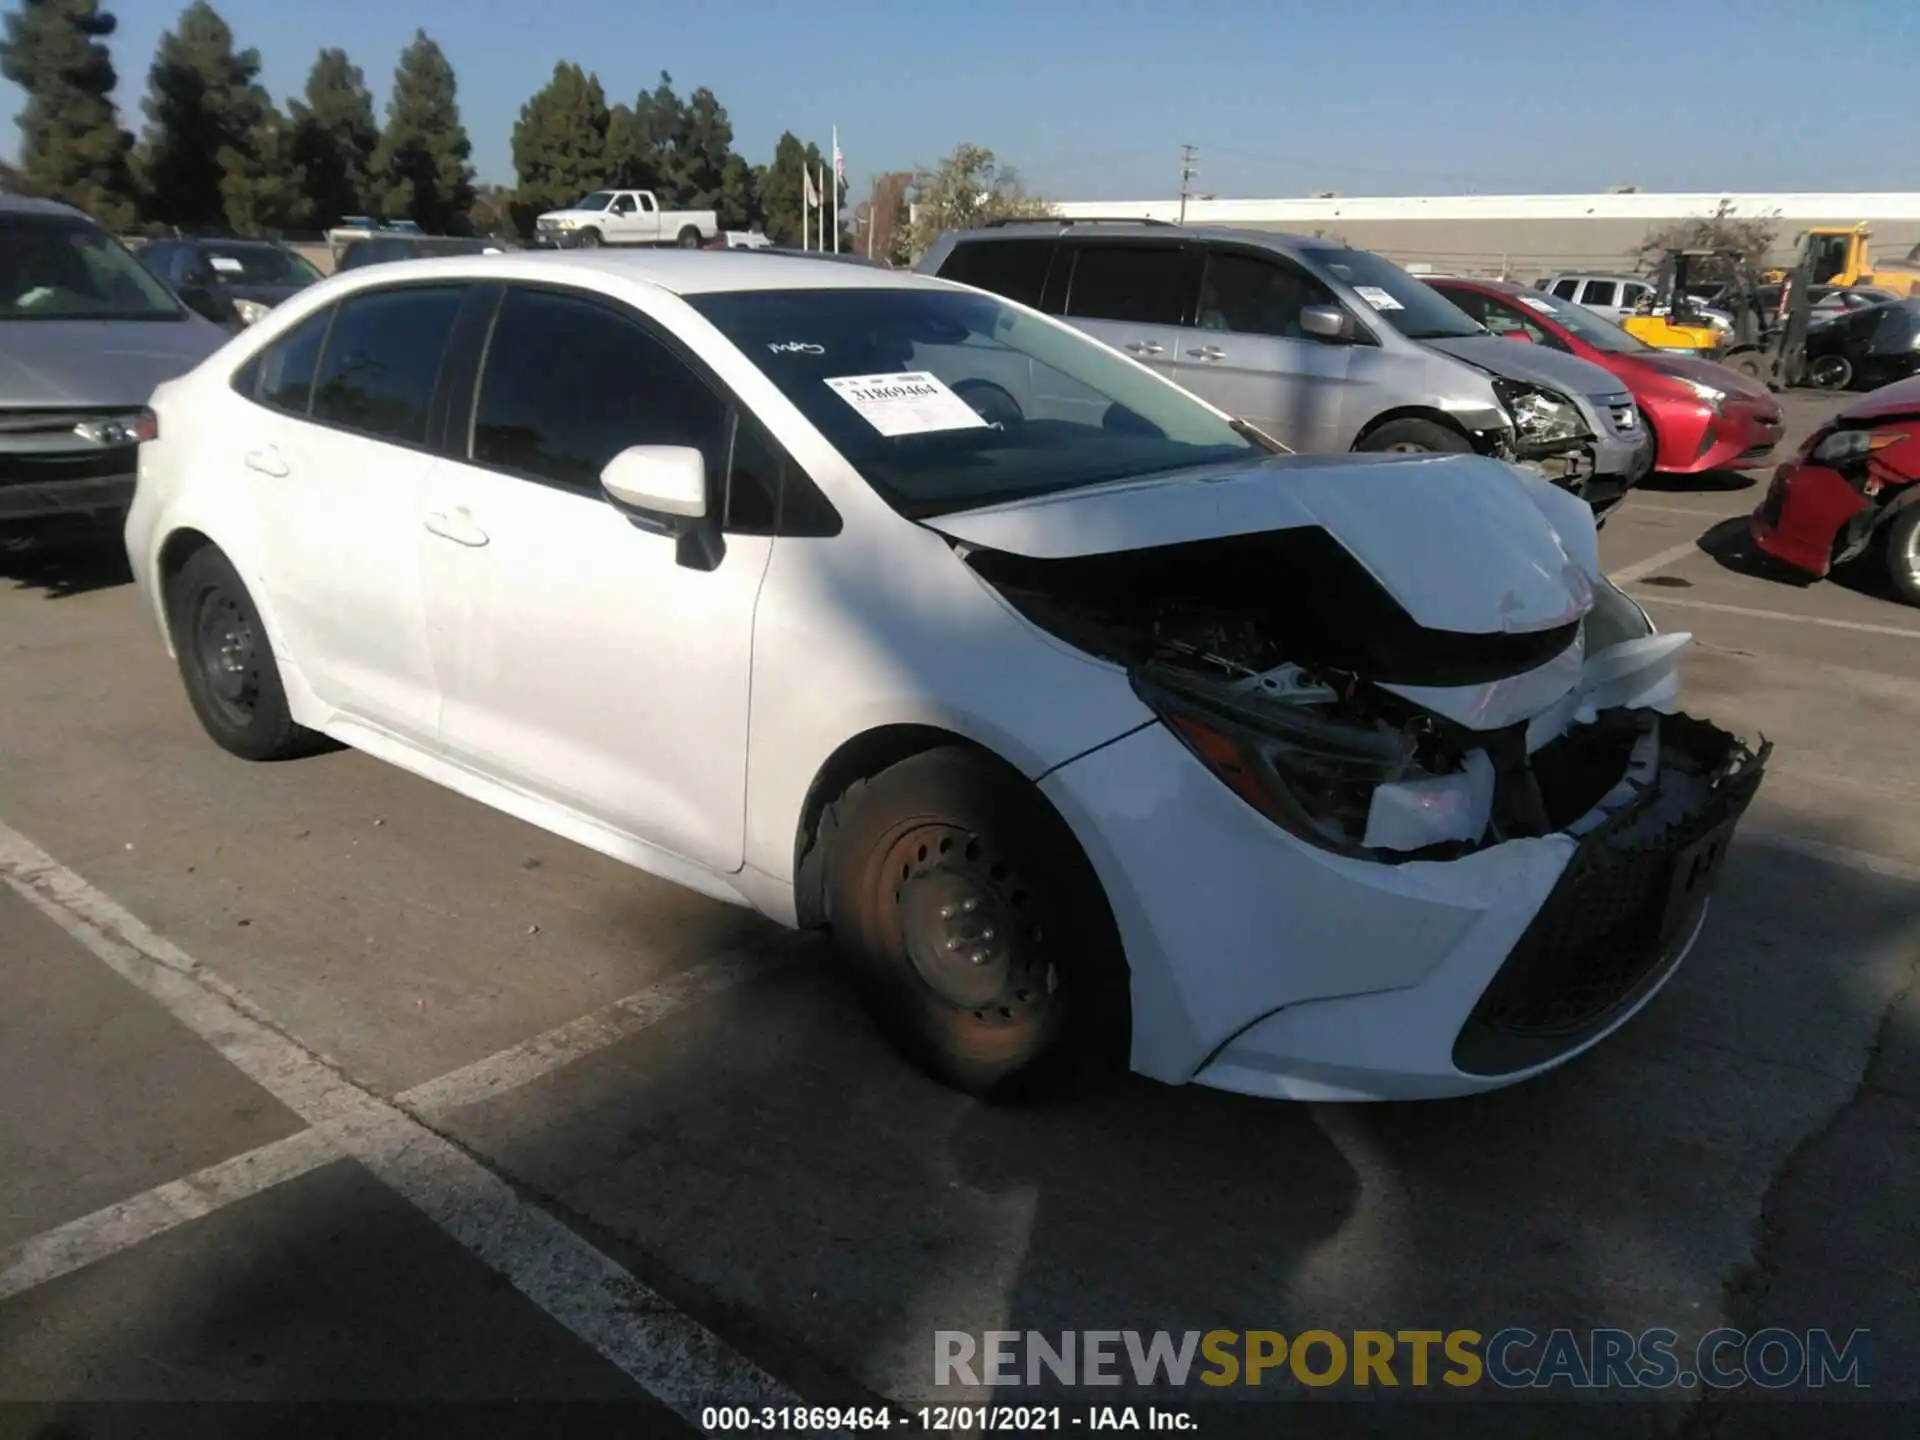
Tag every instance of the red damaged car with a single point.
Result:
(1703, 416)
(1856, 478)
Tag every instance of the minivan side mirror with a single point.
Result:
(1326, 322)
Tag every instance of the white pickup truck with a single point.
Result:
(624, 217)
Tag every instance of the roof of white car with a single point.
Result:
(683, 272)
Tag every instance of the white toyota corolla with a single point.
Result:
(1095, 730)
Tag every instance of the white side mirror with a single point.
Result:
(659, 482)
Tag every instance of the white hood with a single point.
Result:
(1462, 543)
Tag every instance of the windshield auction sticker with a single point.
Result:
(1376, 297)
(913, 402)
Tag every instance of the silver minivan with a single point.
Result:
(1322, 346)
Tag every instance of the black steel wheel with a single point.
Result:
(1903, 553)
(978, 933)
(227, 664)
(1830, 372)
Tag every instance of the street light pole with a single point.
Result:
(1188, 154)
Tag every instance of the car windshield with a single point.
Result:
(1416, 311)
(947, 401)
(594, 200)
(56, 268)
(1597, 331)
(255, 265)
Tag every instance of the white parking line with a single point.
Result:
(674, 1357)
(121, 1226)
(1862, 626)
(1640, 504)
(1627, 574)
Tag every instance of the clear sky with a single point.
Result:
(1091, 99)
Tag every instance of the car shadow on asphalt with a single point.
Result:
(1707, 481)
(1730, 544)
(66, 564)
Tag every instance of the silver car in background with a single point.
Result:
(86, 333)
(1324, 347)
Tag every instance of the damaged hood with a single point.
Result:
(1534, 364)
(1462, 543)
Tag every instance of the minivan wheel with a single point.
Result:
(227, 663)
(976, 930)
(1415, 436)
(1903, 553)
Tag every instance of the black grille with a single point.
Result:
(1630, 896)
(96, 462)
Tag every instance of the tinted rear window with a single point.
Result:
(382, 359)
(1016, 269)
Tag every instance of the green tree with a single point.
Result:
(205, 112)
(560, 140)
(420, 167)
(702, 144)
(966, 188)
(782, 191)
(262, 185)
(334, 136)
(1751, 236)
(71, 145)
(739, 204)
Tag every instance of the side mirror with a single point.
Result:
(1326, 322)
(664, 484)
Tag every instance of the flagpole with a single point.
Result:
(806, 204)
(836, 189)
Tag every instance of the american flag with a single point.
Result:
(839, 163)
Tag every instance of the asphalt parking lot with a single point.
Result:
(318, 1083)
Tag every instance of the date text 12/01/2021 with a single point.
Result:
(942, 1419)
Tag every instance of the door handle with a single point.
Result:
(1145, 347)
(268, 461)
(1208, 352)
(458, 527)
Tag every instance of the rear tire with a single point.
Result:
(976, 930)
(1415, 437)
(1830, 372)
(689, 237)
(1903, 553)
(227, 664)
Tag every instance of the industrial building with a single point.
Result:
(1525, 236)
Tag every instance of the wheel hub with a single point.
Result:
(226, 650)
(970, 930)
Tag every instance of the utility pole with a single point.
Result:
(1188, 154)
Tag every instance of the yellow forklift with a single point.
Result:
(1840, 255)
(1670, 317)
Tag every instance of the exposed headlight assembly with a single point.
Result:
(1540, 416)
(1846, 445)
(1309, 771)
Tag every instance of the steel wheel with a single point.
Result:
(589, 239)
(1903, 553)
(969, 926)
(226, 648)
(1830, 372)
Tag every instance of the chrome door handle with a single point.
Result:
(1208, 352)
(1145, 347)
(268, 461)
(458, 528)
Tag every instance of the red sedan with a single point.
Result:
(1703, 416)
(1857, 477)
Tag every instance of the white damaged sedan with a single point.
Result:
(1095, 730)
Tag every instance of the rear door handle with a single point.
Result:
(457, 527)
(1208, 352)
(268, 461)
(1145, 347)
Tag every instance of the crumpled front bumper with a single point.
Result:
(1807, 510)
(1264, 965)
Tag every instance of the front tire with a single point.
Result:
(689, 238)
(1415, 437)
(1903, 553)
(227, 664)
(976, 929)
(590, 239)
(1830, 372)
